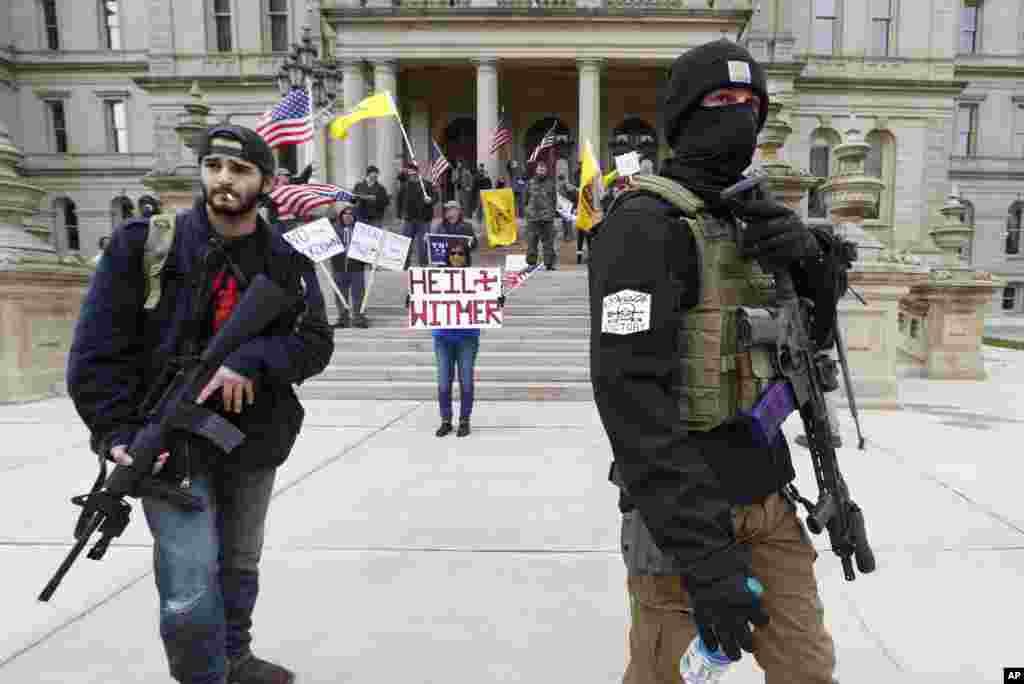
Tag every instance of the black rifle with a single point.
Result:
(104, 508)
(810, 373)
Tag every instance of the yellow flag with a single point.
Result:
(586, 208)
(372, 107)
(609, 177)
(500, 213)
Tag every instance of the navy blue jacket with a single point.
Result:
(119, 349)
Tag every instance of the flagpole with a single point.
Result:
(311, 145)
(408, 145)
(334, 285)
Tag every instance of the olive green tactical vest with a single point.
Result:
(154, 254)
(716, 381)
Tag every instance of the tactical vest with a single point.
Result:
(716, 381)
(154, 255)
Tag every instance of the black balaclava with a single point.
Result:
(712, 145)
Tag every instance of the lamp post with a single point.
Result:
(303, 70)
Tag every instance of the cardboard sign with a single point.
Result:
(365, 245)
(515, 262)
(454, 298)
(394, 249)
(628, 164)
(438, 247)
(317, 240)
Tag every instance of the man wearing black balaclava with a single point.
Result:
(711, 545)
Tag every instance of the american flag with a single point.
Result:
(502, 134)
(440, 165)
(289, 123)
(510, 280)
(547, 141)
(299, 200)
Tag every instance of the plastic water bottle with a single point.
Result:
(701, 665)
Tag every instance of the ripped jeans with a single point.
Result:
(207, 575)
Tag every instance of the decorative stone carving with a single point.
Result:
(176, 184)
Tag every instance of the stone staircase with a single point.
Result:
(541, 352)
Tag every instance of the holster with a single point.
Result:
(641, 555)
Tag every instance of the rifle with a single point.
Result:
(805, 374)
(104, 508)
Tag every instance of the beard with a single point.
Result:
(241, 204)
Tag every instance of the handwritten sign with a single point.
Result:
(566, 209)
(365, 245)
(454, 298)
(628, 164)
(438, 243)
(515, 262)
(393, 251)
(317, 240)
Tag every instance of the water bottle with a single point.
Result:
(701, 665)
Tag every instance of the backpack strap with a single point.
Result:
(154, 256)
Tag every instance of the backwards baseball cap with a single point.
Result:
(452, 204)
(703, 69)
(239, 142)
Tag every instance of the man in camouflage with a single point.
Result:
(540, 216)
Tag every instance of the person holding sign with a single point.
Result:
(349, 274)
(453, 223)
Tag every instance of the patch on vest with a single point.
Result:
(739, 72)
(626, 312)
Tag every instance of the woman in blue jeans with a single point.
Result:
(456, 348)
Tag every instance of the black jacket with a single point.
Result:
(371, 211)
(683, 484)
(411, 204)
(119, 349)
(461, 227)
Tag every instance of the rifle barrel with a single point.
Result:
(72, 556)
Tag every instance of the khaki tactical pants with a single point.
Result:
(794, 648)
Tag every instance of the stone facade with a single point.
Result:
(904, 69)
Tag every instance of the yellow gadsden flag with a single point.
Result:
(586, 208)
(500, 212)
(373, 107)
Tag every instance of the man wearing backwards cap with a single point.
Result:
(125, 343)
(703, 513)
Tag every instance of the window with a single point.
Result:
(915, 326)
(826, 27)
(110, 12)
(277, 25)
(117, 125)
(1018, 137)
(222, 25)
(881, 27)
(1013, 226)
(59, 126)
(967, 129)
(50, 24)
(969, 16)
(1009, 298)
(966, 251)
(70, 217)
(821, 153)
(881, 163)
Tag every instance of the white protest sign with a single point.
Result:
(566, 209)
(317, 240)
(515, 262)
(393, 251)
(365, 245)
(454, 298)
(628, 164)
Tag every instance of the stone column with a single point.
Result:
(486, 113)
(40, 292)
(354, 144)
(177, 185)
(387, 152)
(871, 329)
(590, 105)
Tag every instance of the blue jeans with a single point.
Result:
(452, 351)
(207, 571)
(417, 230)
(352, 285)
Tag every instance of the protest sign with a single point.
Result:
(394, 249)
(628, 164)
(515, 262)
(454, 298)
(438, 243)
(566, 209)
(317, 240)
(365, 245)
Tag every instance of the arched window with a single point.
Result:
(822, 142)
(1013, 226)
(121, 209)
(880, 163)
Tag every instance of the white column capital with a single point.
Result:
(485, 63)
(591, 63)
(350, 64)
(385, 64)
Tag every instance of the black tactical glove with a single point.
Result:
(774, 235)
(501, 301)
(723, 610)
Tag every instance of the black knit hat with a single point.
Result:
(237, 141)
(708, 67)
(372, 169)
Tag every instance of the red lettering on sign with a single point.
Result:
(417, 284)
(433, 284)
(484, 281)
(433, 313)
(451, 283)
(492, 310)
(417, 314)
(465, 309)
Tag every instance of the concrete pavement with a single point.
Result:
(396, 556)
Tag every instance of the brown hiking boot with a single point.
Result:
(251, 670)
